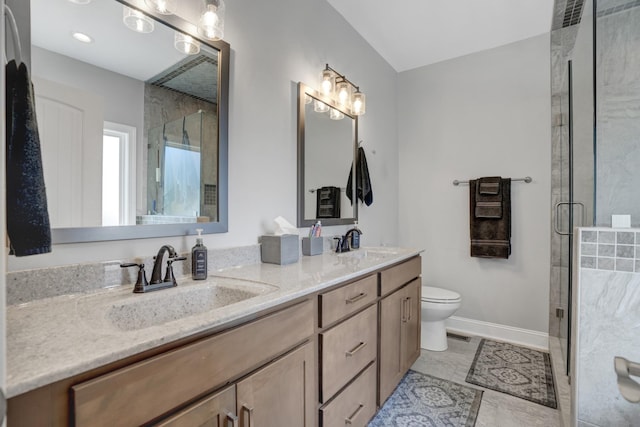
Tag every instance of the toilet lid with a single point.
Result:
(432, 294)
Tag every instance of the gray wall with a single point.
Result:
(618, 113)
(479, 115)
(275, 45)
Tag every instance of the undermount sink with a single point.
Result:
(369, 253)
(129, 312)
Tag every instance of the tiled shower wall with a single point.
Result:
(617, 110)
(605, 324)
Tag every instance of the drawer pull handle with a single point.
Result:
(231, 420)
(357, 298)
(249, 412)
(354, 415)
(409, 307)
(356, 349)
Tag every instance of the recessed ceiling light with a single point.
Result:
(82, 37)
(80, 1)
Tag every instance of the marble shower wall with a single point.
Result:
(618, 110)
(606, 324)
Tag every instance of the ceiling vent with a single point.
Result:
(196, 76)
(572, 13)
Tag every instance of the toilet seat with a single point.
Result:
(439, 295)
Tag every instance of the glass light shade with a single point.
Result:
(335, 114)
(307, 99)
(358, 105)
(343, 93)
(136, 20)
(211, 23)
(327, 82)
(320, 107)
(164, 7)
(185, 43)
(80, 1)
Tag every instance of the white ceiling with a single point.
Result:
(413, 33)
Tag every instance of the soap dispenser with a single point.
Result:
(355, 236)
(199, 258)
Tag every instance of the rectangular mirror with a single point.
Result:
(133, 130)
(327, 147)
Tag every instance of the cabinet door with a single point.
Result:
(399, 336)
(410, 340)
(281, 393)
(391, 320)
(217, 410)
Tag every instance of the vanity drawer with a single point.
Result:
(394, 277)
(348, 299)
(346, 349)
(355, 405)
(141, 392)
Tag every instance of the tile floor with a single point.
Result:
(497, 409)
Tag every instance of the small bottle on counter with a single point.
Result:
(199, 258)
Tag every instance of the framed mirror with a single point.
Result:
(327, 148)
(133, 121)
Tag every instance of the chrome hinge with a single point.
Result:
(560, 312)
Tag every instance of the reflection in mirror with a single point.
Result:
(133, 130)
(327, 139)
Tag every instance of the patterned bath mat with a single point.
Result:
(515, 370)
(422, 400)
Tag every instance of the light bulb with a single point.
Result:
(136, 20)
(185, 43)
(358, 106)
(320, 107)
(335, 114)
(327, 82)
(211, 24)
(164, 7)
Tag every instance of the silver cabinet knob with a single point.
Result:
(629, 388)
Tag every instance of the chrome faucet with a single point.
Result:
(157, 282)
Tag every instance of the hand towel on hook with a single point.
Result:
(28, 224)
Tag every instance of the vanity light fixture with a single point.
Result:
(211, 24)
(136, 20)
(346, 94)
(186, 44)
(81, 37)
(163, 7)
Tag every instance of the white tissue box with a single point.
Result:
(283, 249)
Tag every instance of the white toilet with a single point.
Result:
(437, 305)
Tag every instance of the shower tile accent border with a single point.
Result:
(610, 249)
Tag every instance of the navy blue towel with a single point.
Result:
(364, 191)
(28, 224)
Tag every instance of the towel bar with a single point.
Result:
(526, 179)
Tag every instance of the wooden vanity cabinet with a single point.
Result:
(348, 346)
(217, 410)
(267, 363)
(399, 324)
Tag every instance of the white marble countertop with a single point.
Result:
(55, 338)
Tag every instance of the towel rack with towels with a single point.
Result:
(526, 179)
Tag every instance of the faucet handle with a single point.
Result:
(168, 276)
(142, 282)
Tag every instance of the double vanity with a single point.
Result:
(322, 342)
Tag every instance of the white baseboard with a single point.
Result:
(525, 337)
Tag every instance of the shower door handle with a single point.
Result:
(629, 388)
(556, 226)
